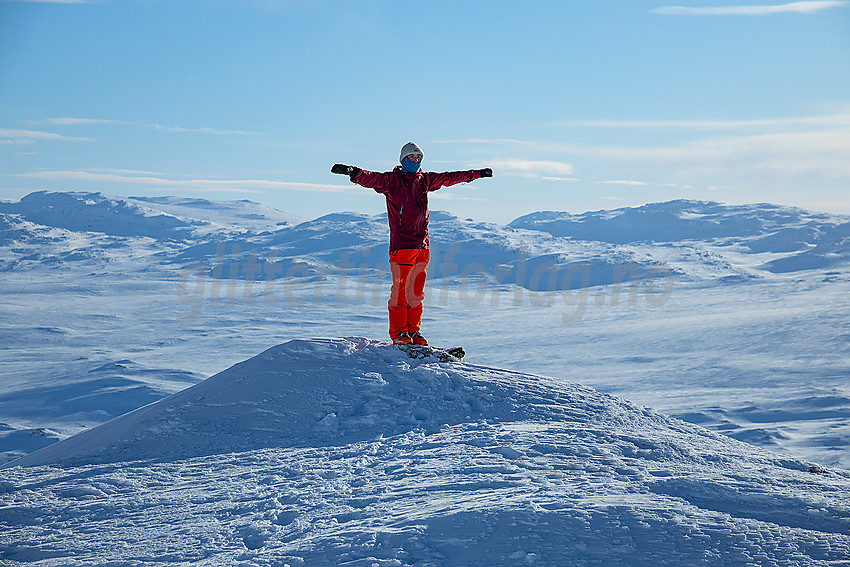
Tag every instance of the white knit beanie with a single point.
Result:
(410, 148)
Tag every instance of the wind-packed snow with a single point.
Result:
(349, 452)
(732, 318)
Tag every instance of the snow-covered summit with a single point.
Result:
(160, 218)
(94, 212)
(331, 392)
(348, 452)
(241, 215)
(684, 219)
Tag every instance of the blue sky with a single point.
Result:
(576, 105)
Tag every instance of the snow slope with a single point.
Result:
(348, 452)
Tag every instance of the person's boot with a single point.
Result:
(418, 339)
(402, 338)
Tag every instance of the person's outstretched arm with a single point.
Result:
(448, 178)
(377, 181)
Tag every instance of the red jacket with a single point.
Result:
(407, 200)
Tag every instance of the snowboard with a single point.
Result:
(452, 354)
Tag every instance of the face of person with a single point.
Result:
(415, 158)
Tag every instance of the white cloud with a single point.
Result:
(783, 154)
(828, 120)
(534, 168)
(79, 121)
(793, 153)
(792, 7)
(786, 150)
(213, 131)
(123, 171)
(67, 121)
(14, 136)
(479, 141)
(156, 180)
(620, 182)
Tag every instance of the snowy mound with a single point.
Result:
(325, 392)
(348, 452)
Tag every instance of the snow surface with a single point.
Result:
(733, 318)
(349, 452)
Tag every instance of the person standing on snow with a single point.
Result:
(406, 190)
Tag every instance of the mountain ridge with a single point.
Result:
(550, 242)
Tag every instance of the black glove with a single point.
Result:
(348, 170)
(486, 172)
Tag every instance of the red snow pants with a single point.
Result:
(409, 267)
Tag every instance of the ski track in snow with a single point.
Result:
(501, 468)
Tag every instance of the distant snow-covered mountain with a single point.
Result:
(241, 215)
(684, 220)
(94, 212)
(540, 251)
(808, 240)
(347, 451)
